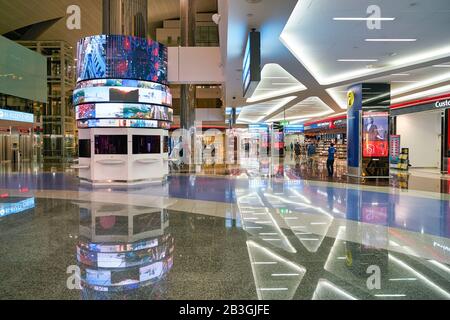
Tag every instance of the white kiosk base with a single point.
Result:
(127, 168)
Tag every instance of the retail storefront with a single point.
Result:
(327, 131)
(292, 134)
(423, 129)
(16, 136)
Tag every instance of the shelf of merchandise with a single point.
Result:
(341, 149)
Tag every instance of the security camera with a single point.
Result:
(216, 18)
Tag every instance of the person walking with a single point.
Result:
(311, 150)
(297, 150)
(330, 160)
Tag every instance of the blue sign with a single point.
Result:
(16, 116)
(7, 209)
(258, 127)
(294, 128)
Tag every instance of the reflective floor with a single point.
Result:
(205, 235)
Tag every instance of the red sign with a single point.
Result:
(375, 149)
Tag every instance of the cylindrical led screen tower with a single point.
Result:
(123, 109)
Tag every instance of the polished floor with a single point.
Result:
(216, 232)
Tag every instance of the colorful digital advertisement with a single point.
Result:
(375, 134)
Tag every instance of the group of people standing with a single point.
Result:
(311, 151)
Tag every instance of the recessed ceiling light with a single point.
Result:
(390, 40)
(441, 66)
(400, 74)
(362, 19)
(357, 60)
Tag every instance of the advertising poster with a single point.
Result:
(375, 134)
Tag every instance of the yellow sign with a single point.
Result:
(350, 99)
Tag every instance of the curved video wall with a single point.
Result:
(123, 111)
(122, 83)
(121, 57)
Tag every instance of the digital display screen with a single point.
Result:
(122, 123)
(146, 144)
(117, 56)
(111, 144)
(122, 83)
(84, 148)
(121, 94)
(123, 111)
(130, 278)
(123, 259)
(375, 134)
(135, 246)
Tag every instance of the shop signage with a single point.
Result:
(258, 127)
(9, 115)
(294, 128)
(442, 104)
(340, 123)
(321, 125)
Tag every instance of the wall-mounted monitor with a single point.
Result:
(146, 144)
(111, 144)
(84, 148)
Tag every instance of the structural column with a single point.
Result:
(368, 130)
(125, 17)
(188, 11)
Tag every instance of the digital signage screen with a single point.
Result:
(126, 57)
(121, 94)
(122, 123)
(251, 67)
(84, 148)
(375, 134)
(112, 144)
(123, 111)
(146, 144)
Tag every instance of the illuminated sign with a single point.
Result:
(7, 209)
(258, 127)
(251, 68)
(442, 104)
(290, 129)
(10, 115)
